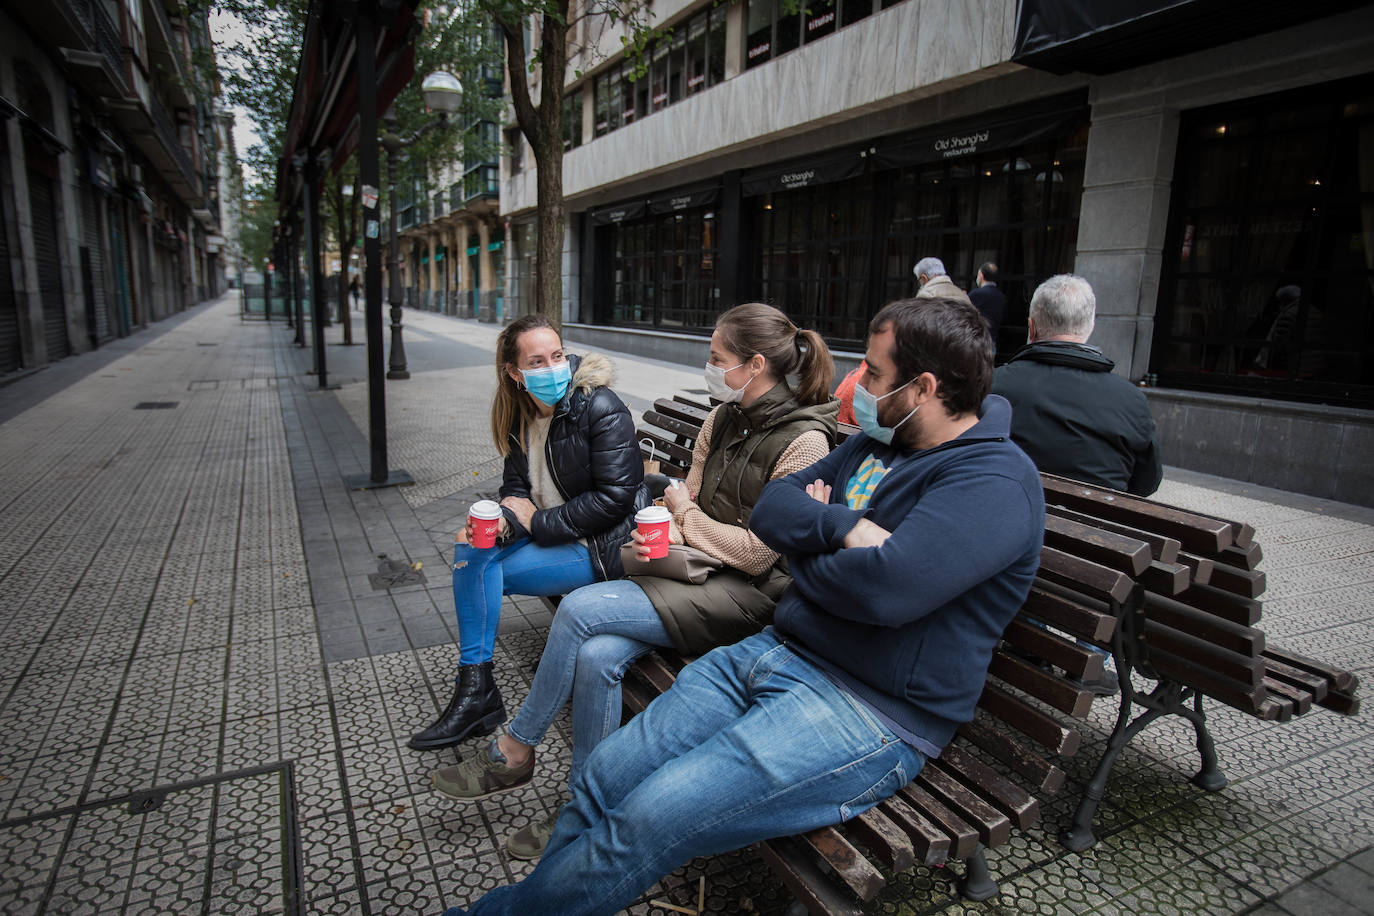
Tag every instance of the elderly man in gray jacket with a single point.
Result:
(935, 283)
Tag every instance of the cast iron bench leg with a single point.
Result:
(1080, 836)
(1210, 776)
(977, 884)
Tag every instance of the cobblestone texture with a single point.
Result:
(184, 595)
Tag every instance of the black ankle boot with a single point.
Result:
(474, 711)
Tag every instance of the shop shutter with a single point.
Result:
(91, 240)
(44, 213)
(11, 357)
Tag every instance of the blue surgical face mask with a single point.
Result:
(866, 413)
(549, 384)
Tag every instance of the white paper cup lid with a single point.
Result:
(651, 514)
(485, 509)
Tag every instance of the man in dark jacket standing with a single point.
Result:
(987, 298)
(1069, 412)
(912, 547)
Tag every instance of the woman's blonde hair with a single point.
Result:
(757, 328)
(511, 407)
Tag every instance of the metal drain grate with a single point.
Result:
(155, 405)
(226, 843)
(395, 574)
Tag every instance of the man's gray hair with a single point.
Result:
(930, 267)
(1063, 306)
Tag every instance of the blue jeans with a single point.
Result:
(598, 630)
(752, 742)
(482, 576)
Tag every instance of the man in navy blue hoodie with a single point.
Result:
(911, 549)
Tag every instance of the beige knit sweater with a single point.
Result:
(731, 544)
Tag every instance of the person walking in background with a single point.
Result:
(1070, 413)
(573, 480)
(354, 289)
(987, 298)
(935, 282)
(762, 431)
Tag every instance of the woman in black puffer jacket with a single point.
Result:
(572, 484)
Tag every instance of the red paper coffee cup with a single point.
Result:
(652, 522)
(485, 519)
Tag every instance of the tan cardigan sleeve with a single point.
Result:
(739, 547)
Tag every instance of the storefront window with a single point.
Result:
(662, 269)
(1269, 264)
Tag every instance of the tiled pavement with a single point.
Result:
(204, 701)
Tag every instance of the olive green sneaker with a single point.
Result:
(529, 841)
(481, 776)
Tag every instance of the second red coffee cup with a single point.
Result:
(485, 520)
(652, 522)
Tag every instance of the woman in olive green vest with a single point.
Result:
(764, 429)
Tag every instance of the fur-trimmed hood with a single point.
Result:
(591, 372)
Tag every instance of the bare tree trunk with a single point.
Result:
(548, 262)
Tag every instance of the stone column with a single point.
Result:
(1127, 183)
(433, 240)
(484, 278)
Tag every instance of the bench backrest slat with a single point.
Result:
(1198, 533)
(1083, 576)
(1034, 724)
(1051, 689)
(1225, 633)
(1164, 549)
(1247, 672)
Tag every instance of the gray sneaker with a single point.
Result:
(481, 776)
(529, 841)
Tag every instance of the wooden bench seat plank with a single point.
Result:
(1312, 684)
(1344, 681)
(876, 831)
(688, 431)
(1012, 800)
(963, 836)
(700, 401)
(1228, 606)
(1233, 636)
(1199, 568)
(1301, 699)
(808, 884)
(1044, 686)
(1106, 548)
(1069, 612)
(1166, 578)
(929, 842)
(687, 413)
(1014, 754)
(1231, 665)
(994, 827)
(1347, 704)
(1241, 557)
(1163, 549)
(1244, 582)
(1190, 674)
(1084, 664)
(851, 866)
(1197, 533)
(1275, 708)
(1083, 576)
(1029, 721)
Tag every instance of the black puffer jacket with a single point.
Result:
(594, 460)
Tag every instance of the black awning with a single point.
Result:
(1106, 36)
(618, 213)
(972, 136)
(821, 169)
(674, 201)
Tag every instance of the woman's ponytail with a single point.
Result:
(816, 370)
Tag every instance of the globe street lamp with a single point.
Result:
(443, 95)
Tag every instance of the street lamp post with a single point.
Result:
(443, 95)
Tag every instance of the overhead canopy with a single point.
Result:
(1106, 36)
(324, 104)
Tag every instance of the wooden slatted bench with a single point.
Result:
(1173, 595)
(989, 780)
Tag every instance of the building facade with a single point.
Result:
(1205, 166)
(108, 173)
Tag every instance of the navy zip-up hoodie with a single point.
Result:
(909, 627)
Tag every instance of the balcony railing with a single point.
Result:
(106, 36)
(168, 135)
